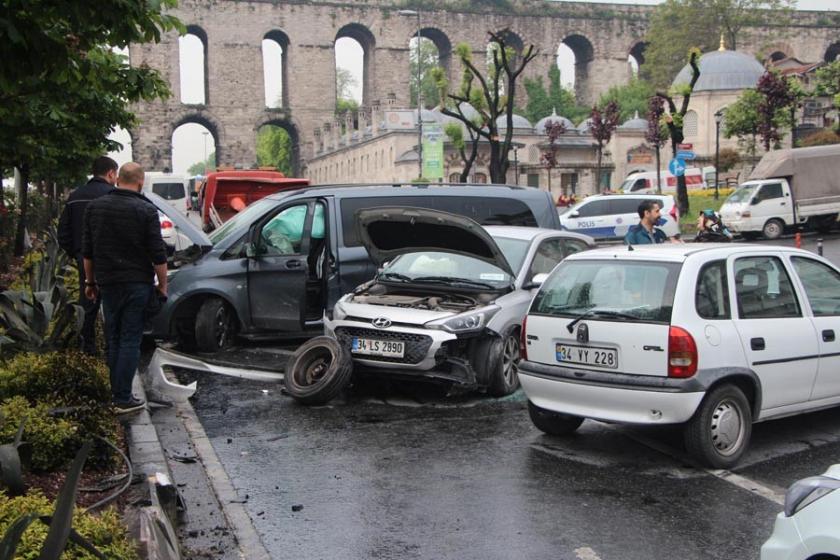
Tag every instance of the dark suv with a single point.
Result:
(273, 269)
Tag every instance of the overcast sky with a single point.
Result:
(189, 140)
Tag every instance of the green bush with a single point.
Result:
(71, 381)
(104, 530)
(53, 441)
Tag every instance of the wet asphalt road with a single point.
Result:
(406, 472)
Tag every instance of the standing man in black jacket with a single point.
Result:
(70, 237)
(123, 251)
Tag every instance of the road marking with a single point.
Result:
(586, 553)
(768, 492)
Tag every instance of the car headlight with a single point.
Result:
(466, 322)
(807, 491)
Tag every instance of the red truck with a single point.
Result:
(224, 193)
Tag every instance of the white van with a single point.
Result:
(645, 182)
(170, 187)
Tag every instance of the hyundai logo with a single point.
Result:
(381, 322)
(583, 333)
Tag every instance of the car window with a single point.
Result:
(247, 216)
(639, 185)
(763, 289)
(549, 253)
(822, 286)
(484, 210)
(283, 233)
(514, 251)
(169, 191)
(773, 190)
(437, 268)
(572, 246)
(711, 298)
(642, 289)
(626, 206)
(594, 208)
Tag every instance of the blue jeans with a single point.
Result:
(124, 305)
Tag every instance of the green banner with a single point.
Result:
(433, 138)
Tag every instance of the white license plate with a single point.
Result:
(373, 347)
(587, 355)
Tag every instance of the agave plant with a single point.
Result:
(40, 316)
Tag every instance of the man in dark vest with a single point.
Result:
(70, 237)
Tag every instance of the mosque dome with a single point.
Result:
(543, 122)
(723, 70)
(636, 123)
(520, 124)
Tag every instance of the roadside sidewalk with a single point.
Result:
(199, 501)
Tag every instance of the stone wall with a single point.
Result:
(602, 35)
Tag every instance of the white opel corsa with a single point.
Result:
(711, 336)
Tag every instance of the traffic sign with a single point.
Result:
(686, 154)
(677, 167)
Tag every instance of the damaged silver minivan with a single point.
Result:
(447, 301)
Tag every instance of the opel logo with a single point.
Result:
(583, 333)
(381, 322)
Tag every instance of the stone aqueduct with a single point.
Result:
(601, 35)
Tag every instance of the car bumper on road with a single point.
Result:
(569, 391)
(785, 543)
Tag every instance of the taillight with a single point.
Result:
(675, 213)
(165, 224)
(682, 353)
(523, 340)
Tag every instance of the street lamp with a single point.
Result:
(718, 119)
(206, 134)
(416, 13)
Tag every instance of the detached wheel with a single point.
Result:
(719, 432)
(773, 229)
(318, 371)
(553, 423)
(215, 326)
(503, 365)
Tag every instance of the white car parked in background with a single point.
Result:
(808, 528)
(714, 337)
(609, 216)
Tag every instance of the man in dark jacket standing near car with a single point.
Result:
(70, 237)
(123, 251)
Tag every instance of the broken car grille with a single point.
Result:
(416, 345)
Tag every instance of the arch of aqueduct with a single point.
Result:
(601, 35)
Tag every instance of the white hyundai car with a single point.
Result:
(449, 298)
(807, 529)
(710, 336)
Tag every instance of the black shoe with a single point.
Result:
(130, 406)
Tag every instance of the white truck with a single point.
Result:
(788, 188)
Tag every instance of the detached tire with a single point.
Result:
(773, 229)
(503, 365)
(719, 432)
(318, 371)
(553, 423)
(215, 326)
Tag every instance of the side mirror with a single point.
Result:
(573, 214)
(536, 281)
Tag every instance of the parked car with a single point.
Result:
(714, 337)
(271, 270)
(172, 236)
(449, 300)
(807, 528)
(609, 216)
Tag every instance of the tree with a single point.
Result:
(557, 99)
(428, 62)
(274, 149)
(68, 89)
(345, 81)
(604, 123)
(631, 98)
(554, 129)
(678, 25)
(654, 135)
(674, 122)
(828, 84)
(487, 98)
(203, 167)
(742, 120)
(779, 95)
